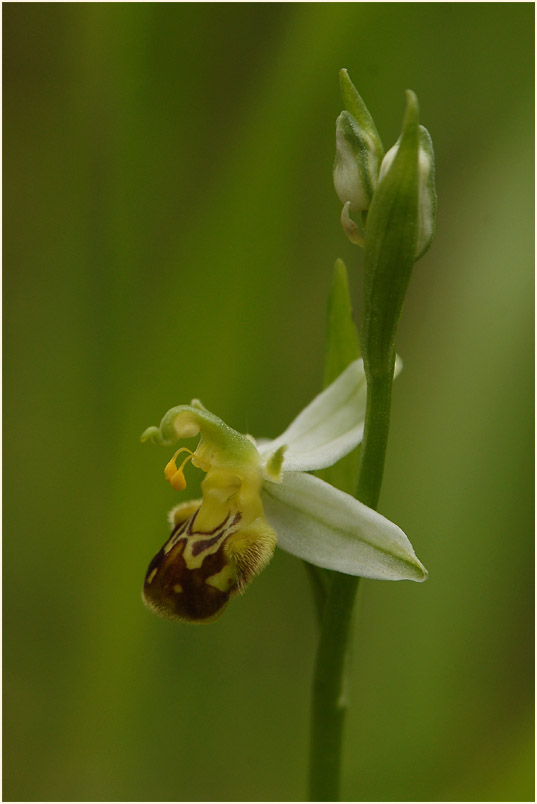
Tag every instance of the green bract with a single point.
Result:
(399, 228)
(426, 188)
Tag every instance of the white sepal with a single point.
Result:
(330, 529)
(330, 427)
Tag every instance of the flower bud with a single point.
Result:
(356, 166)
(426, 188)
(359, 153)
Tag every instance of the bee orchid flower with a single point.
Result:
(258, 494)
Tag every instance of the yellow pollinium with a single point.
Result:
(175, 476)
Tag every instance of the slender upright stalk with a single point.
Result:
(400, 198)
(377, 424)
(330, 700)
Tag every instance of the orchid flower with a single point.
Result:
(259, 494)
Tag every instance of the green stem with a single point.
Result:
(377, 425)
(330, 702)
(319, 587)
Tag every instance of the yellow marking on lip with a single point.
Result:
(177, 587)
(222, 580)
(172, 541)
(182, 512)
(152, 575)
(194, 562)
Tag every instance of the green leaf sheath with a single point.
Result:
(342, 347)
(342, 343)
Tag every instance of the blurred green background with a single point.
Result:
(170, 232)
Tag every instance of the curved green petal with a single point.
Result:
(219, 444)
